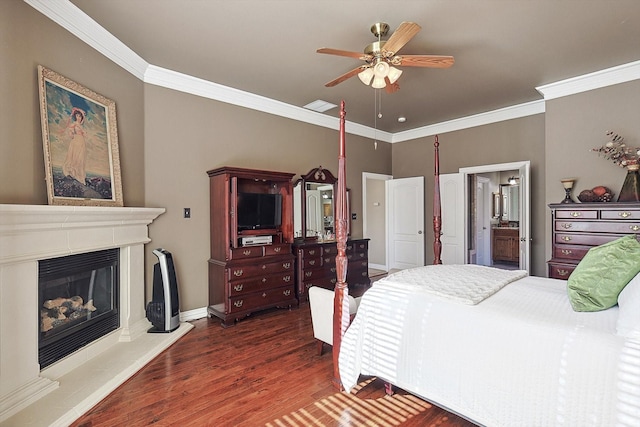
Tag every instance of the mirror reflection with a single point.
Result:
(313, 205)
(509, 206)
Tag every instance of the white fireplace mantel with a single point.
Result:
(29, 233)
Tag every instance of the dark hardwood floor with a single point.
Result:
(263, 371)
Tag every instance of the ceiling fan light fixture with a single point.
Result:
(366, 76)
(381, 69)
(394, 74)
(378, 82)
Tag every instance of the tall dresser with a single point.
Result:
(251, 267)
(316, 266)
(577, 227)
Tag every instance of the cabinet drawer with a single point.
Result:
(622, 214)
(598, 227)
(329, 250)
(259, 299)
(247, 252)
(577, 214)
(355, 256)
(311, 252)
(329, 260)
(360, 246)
(277, 249)
(570, 252)
(325, 282)
(318, 273)
(259, 269)
(585, 239)
(560, 271)
(311, 263)
(254, 284)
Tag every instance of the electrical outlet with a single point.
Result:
(187, 212)
(354, 216)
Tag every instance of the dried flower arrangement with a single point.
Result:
(618, 152)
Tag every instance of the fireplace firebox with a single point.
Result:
(77, 301)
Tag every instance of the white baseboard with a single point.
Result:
(197, 313)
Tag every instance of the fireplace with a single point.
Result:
(78, 302)
(62, 391)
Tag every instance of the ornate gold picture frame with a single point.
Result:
(80, 141)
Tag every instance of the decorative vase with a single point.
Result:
(631, 187)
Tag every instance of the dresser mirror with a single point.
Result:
(314, 205)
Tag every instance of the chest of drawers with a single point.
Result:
(316, 266)
(577, 227)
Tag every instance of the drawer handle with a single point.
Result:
(286, 279)
(361, 255)
(327, 260)
(333, 269)
(286, 292)
(566, 225)
(264, 266)
(286, 265)
(312, 262)
(624, 214)
(308, 273)
(264, 280)
(238, 288)
(634, 227)
(567, 252)
(277, 249)
(576, 214)
(264, 295)
(238, 273)
(238, 303)
(566, 238)
(333, 281)
(563, 272)
(365, 274)
(312, 252)
(247, 252)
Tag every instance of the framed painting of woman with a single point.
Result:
(80, 141)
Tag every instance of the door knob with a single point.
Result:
(419, 231)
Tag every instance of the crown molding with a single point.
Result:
(169, 79)
(599, 79)
(70, 17)
(74, 20)
(500, 115)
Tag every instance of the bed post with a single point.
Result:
(437, 211)
(340, 301)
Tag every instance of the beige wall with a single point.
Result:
(503, 142)
(168, 140)
(575, 125)
(30, 39)
(188, 135)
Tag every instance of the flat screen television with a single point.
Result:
(258, 211)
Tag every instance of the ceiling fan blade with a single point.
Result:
(345, 76)
(400, 37)
(432, 61)
(347, 53)
(391, 87)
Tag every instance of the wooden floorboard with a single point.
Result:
(264, 371)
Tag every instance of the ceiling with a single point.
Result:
(503, 49)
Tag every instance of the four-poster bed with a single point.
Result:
(498, 347)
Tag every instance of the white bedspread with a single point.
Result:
(466, 283)
(522, 357)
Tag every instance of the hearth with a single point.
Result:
(78, 302)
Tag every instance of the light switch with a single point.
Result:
(187, 212)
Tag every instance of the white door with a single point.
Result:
(314, 207)
(525, 220)
(452, 206)
(483, 203)
(405, 219)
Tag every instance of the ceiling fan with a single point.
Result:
(380, 58)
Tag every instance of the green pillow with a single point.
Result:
(603, 272)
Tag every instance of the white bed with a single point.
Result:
(520, 357)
